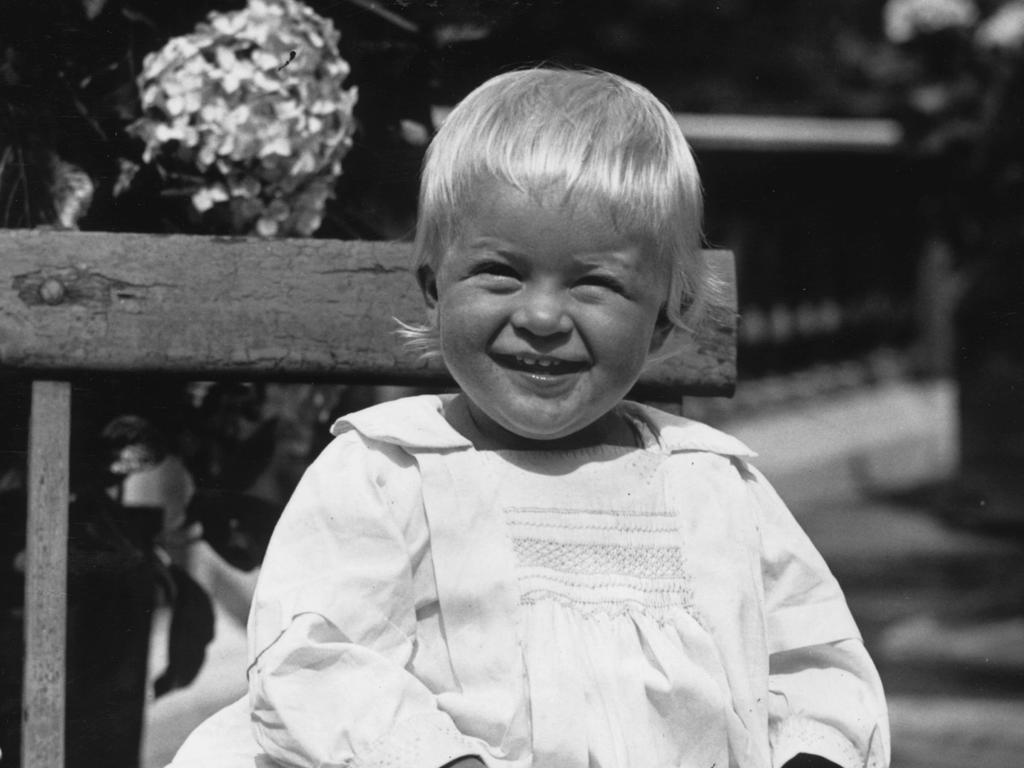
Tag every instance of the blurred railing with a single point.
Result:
(823, 215)
(760, 133)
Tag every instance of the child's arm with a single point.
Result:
(332, 631)
(826, 698)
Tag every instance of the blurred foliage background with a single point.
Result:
(68, 90)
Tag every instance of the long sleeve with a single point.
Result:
(825, 695)
(827, 700)
(333, 627)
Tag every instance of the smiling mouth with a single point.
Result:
(546, 366)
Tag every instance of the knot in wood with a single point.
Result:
(52, 291)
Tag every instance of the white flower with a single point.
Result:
(175, 106)
(232, 80)
(206, 197)
(1004, 29)
(305, 164)
(906, 19)
(266, 227)
(227, 24)
(322, 107)
(264, 60)
(193, 102)
(263, 8)
(213, 113)
(227, 145)
(260, 128)
(278, 146)
(288, 110)
(239, 115)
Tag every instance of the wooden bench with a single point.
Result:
(203, 308)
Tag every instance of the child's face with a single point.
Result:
(546, 315)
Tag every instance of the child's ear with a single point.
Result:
(662, 328)
(427, 279)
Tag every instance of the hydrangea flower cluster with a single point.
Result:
(248, 112)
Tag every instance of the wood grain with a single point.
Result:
(206, 307)
(46, 575)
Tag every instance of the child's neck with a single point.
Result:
(612, 429)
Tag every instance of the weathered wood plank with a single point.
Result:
(46, 575)
(208, 307)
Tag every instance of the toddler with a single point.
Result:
(535, 571)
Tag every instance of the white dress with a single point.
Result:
(599, 608)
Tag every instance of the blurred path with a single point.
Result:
(941, 609)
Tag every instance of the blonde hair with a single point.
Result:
(602, 139)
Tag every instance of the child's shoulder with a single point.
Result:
(677, 434)
(415, 422)
(381, 441)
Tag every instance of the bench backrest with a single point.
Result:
(72, 303)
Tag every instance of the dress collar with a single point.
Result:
(418, 423)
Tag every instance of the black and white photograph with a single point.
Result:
(511, 384)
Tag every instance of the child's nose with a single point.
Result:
(541, 313)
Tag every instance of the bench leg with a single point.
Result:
(42, 744)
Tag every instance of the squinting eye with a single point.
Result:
(603, 281)
(495, 268)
